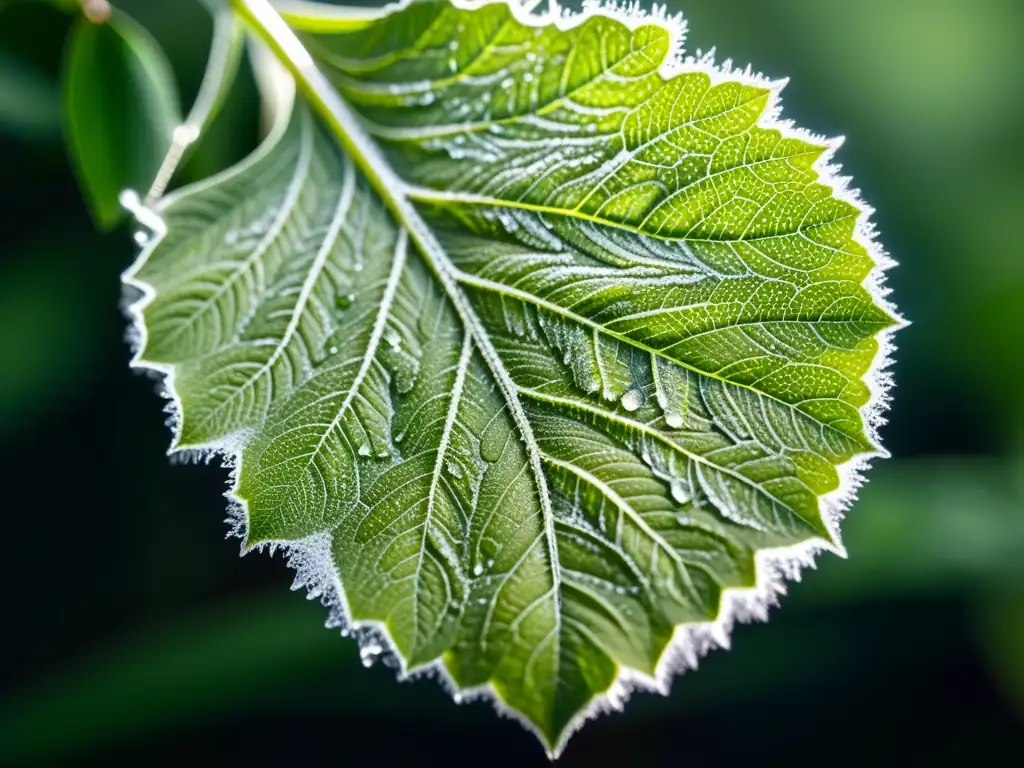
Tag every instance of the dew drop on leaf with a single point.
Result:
(680, 492)
(492, 442)
(632, 400)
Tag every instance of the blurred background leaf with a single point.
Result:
(121, 107)
(135, 633)
(29, 102)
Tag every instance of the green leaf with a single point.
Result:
(121, 108)
(545, 353)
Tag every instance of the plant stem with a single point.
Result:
(225, 54)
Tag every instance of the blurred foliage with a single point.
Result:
(120, 110)
(29, 102)
(135, 631)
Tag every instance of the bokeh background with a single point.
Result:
(132, 630)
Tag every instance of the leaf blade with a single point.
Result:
(542, 494)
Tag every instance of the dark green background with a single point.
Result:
(132, 630)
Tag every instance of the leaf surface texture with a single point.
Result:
(541, 417)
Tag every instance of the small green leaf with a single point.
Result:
(121, 108)
(546, 354)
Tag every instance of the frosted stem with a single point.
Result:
(225, 53)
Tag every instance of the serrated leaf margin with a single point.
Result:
(311, 557)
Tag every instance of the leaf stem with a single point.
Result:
(221, 67)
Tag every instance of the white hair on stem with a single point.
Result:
(311, 558)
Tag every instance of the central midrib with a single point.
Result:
(275, 32)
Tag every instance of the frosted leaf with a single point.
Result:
(605, 340)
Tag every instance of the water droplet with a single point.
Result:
(358, 266)
(453, 45)
(344, 301)
(454, 470)
(453, 65)
(679, 492)
(492, 444)
(141, 237)
(674, 420)
(333, 350)
(231, 237)
(528, 77)
(478, 569)
(632, 400)
(507, 83)
(392, 337)
(400, 437)
(364, 449)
